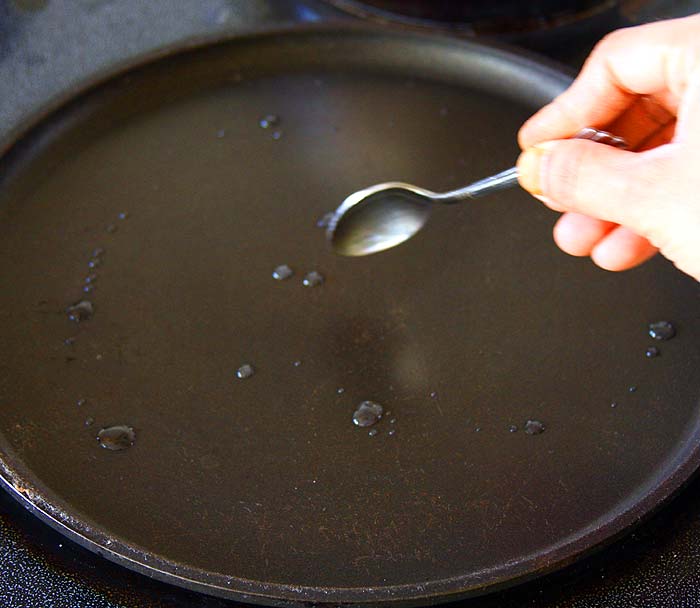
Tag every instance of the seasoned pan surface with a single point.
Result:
(262, 488)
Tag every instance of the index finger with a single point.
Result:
(653, 59)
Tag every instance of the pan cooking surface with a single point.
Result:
(224, 397)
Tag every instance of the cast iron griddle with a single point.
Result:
(262, 489)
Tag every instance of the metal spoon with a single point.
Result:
(385, 215)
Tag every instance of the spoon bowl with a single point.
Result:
(378, 218)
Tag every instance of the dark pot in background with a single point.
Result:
(539, 24)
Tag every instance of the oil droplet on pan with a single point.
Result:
(613, 404)
(373, 432)
(118, 437)
(652, 352)
(296, 363)
(367, 413)
(632, 389)
(282, 272)
(340, 390)
(513, 428)
(81, 311)
(245, 371)
(123, 215)
(662, 330)
(534, 427)
(111, 228)
(313, 279)
(271, 120)
(89, 421)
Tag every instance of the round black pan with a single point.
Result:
(262, 489)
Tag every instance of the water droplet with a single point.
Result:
(123, 215)
(392, 421)
(277, 135)
(392, 432)
(373, 432)
(81, 311)
(221, 133)
(245, 371)
(89, 288)
(367, 414)
(324, 220)
(98, 252)
(91, 278)
(312, 279)
(477, 429)
(94, 263)
(111, 228)
(297, 363)
(662, 330)
(613, 404)
(282, 272)
(89, 421)
(118, 437)
(69, 341)
(652, 352)
(268, 121)
(433, 395)
(534, 427)
(340, 390)
(632, 389)
(513, 428)
(80, 402)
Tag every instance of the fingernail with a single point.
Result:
(530, 168)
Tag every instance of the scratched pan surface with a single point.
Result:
(262, 489)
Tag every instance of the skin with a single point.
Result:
(622, 207)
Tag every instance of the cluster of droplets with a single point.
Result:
(660, 331)
(310, 279)
(117, 437)
(271, 122)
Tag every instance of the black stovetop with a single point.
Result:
(48, 45)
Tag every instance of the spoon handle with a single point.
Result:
(509, 177)
(500, 181)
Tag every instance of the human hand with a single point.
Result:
(621, 207)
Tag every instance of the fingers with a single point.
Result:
(655, 60)
(688, 114)
(596, 180)
(621, 249)
(610, 246)
(578, 234)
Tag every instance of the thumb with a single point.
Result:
(595, 180)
